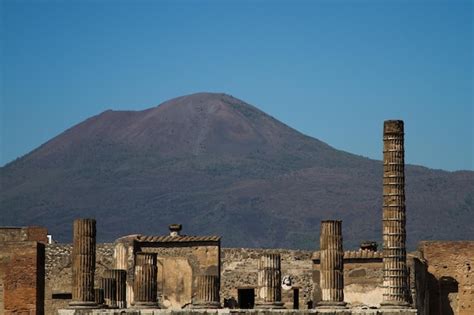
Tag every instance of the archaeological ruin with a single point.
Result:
(183, 274)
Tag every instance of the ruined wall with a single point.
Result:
(21, 234)
(239, 270)
(450, 276)
(22, 277)
(59, 273)
(363, 279)
(177, 268)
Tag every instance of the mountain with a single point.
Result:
(219, 166)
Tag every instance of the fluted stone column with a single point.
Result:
(120, 277)
(332, 265)
(109, 285)
(269, 282)
(395, 273)
(99, 296)
(83, 264)
(207, 292)
(145, 284)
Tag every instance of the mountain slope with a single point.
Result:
(219, 166)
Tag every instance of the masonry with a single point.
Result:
(22, 263)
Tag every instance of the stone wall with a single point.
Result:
(450, 276)
(59, 273)
(21, 234)
(22, 278)
(239, 270)
(434, 273)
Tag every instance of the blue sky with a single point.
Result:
(331, 69)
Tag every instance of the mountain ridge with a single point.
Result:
(220, 166)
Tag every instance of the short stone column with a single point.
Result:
(83, 264)
(269, 282)
(332, 265)
(99, 296)
(207, 292)
(395, 273)
(120, 277)
(109, 285)
(145, 283)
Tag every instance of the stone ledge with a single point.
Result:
(237, 312)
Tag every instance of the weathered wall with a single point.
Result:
(59, 273)
(447, 261)
(22, 277)
(19, 234)
(450, 276)
(362, 278)
(239, 270)
(177, 270)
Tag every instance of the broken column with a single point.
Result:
(83, 264)
(120, 277)
(332, 265)
(109, 286)
(395, 273)
(207, 292)
(145, 283)
(269, 282)
(99, 296)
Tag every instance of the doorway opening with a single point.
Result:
(296, 299)
(246, 298)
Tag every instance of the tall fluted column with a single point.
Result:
(109, 285)
(120, 277)
(395, 273)
(332, 264)
(207, 292)
(269, 282)
(145, 285)
(83, 264)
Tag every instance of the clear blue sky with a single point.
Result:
(331, 69)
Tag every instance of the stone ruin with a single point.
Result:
(179, 273)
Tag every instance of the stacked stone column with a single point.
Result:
(332, 264)
(207, 292)
(395, 273)
(83, 263)
(269, 282)
(145, 283)
(120, 277)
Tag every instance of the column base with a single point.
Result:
(270, 305)
(83, 304)
(331, 304)
(145, 305)
(394, 304)
(205, 305)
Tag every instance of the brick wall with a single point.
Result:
(19, 234)
(22, 278)
(450, 276)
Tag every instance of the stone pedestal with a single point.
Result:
(269, 282)
(120, 277)
(332, 265)
(395, 273)
(207, 292)
(145, 284)
(83, 264)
